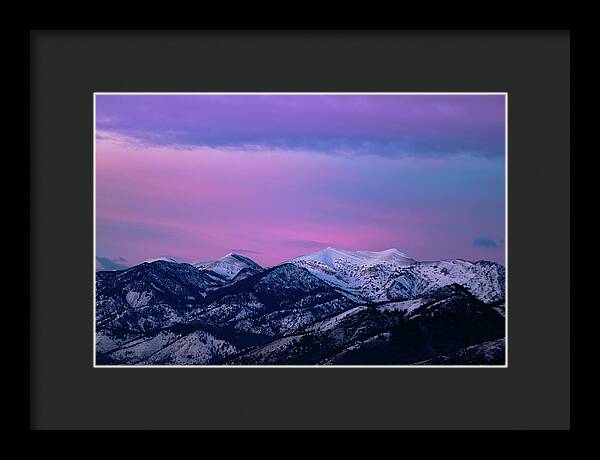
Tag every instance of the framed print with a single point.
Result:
(262, 229)
(300, 230)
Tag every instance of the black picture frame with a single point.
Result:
(67, 67)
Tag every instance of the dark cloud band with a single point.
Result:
(389, 126)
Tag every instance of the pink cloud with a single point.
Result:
(200, 203)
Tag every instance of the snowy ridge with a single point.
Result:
(362, 274)
(406, 306)
(338, 258)
(485, 280)
(392, 275)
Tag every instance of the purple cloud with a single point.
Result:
(386, 125)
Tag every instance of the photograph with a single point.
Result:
(319, 230)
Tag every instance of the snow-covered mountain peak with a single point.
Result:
(335, 258)
(229, 265)
(162, 258)
(360, 273)
(291, 275)
(243, 259)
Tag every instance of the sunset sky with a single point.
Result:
(271, 177)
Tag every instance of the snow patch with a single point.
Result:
(136, 299)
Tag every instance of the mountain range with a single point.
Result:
(333, 307)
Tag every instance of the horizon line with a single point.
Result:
(286, 261)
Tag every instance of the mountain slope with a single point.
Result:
(222, 321)
(180, 344)
(155, 283)
(145, 298)
(441, 322)
(485, 280)
(450, 318)
(487, 353)
(273, 302)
